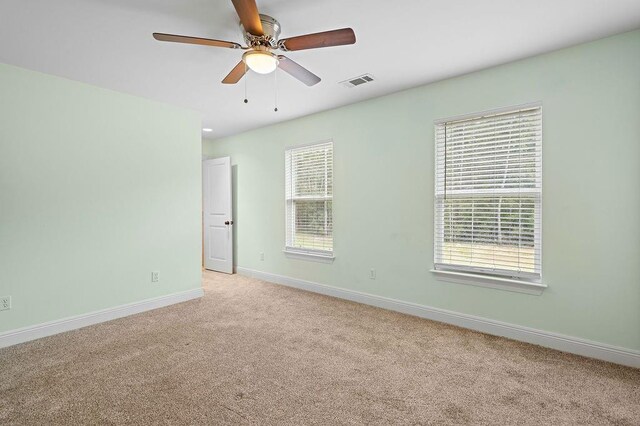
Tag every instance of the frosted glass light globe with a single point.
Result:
(260, 61)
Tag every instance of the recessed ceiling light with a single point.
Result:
(207, 130)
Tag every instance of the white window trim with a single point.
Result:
(489, 281)
(534, 287)
(537, 104)
(317, 256)
(297, 253)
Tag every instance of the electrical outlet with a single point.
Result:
(5, 303)
(261, 255)
(372, 274)
(155, 276)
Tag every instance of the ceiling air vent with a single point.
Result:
(357, 81)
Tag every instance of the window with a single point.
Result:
(309, 199)
(488, 194)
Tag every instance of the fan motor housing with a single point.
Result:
(271, 30)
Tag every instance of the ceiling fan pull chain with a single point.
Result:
(275, 79)
(245, 84)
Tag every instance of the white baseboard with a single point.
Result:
(547, 339)
(25, 334)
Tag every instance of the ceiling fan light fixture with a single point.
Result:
(260, 61)
(262, 37)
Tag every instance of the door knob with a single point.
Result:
(228, 222)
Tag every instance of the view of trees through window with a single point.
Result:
(488, 192)
(314, 224)
(489, 231)
(309, 197)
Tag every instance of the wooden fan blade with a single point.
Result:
(298, 71)
(195, 40)
(324, 39)
(236, 74)
(249, 16)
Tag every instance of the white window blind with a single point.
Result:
(309, 198)
(488, 194)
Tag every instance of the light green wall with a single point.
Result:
(383, 196)
(97, 189)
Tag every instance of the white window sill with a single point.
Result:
(305, 255)
(499, 283)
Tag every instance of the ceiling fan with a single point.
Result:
(261, 33)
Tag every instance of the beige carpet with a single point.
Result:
(256, 353)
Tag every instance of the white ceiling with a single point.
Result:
(402, 43)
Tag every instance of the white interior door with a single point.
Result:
(218, 218)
